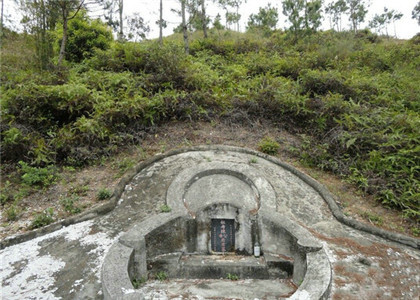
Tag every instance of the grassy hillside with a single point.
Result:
(353, 101)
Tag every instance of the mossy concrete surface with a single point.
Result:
(64, 260)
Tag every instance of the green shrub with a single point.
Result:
(268, 146)
(12, 213)
(80, 189)
(36, 176)
(104, 194)
(45, 106)
(232, 277)
(12, 136)
(354, 103)
(14, 142)
(317, 82)
(4, 198)
(43, 219)
(161, 276)
(253, 160)
(165, 208)
(24, 191)
(258, 63)
(164, 65)
(84, 36)
(69, 204)
(123, 165)
(6, 193)
(289, 66)
(373, 218)
(199, 76)
(137, 282)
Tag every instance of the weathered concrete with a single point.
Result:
(317, 280)
(219, 289)
(66, 263)
(159, 242)
(239, 184)
(116, 269)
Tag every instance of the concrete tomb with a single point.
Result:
(220, 213)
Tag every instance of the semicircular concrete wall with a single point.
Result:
(212, 190)
(228, 180)
(166, 234)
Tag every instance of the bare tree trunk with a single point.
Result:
(203, 16)
(1, 22)
(120, 11)
(65, 10)
(44, 43)
(161, 24)
(184, 27)
(237, 15)
(395, 29)
(65, 29)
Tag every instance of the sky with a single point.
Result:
(149, 10)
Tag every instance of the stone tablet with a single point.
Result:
(222, 235)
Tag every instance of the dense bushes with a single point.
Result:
(84, 36)
(355, 102)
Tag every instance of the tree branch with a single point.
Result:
(78, 8)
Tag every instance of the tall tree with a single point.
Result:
(266, 18)
(390, 17)
(303, 15)
(313, 15)
(110, 8)
(161, 23)
(84, 36)
(217, 23)
(198, 20)
(39, 19)
(69, 10)
(1, 21)
(415, 14)
(293, 10)
(377, 23)
(357, 13)
(232, 17)
(395, 16)
(204, 18)
(120, 12)
(336, 11)
(383, 20)
(137, 28)
(184, 26)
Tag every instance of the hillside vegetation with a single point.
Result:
(353, 99)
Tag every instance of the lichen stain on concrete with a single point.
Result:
(33, 278)
(49, 265)
(66, 264)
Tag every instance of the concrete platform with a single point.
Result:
(64, 260)
(218, 266)
(219, 289)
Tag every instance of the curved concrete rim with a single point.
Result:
(116, 282)
(112, 203)
(264, 194)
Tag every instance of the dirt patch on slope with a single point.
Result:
(83, 185)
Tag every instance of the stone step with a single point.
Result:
(196, 266)
(219, 266)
